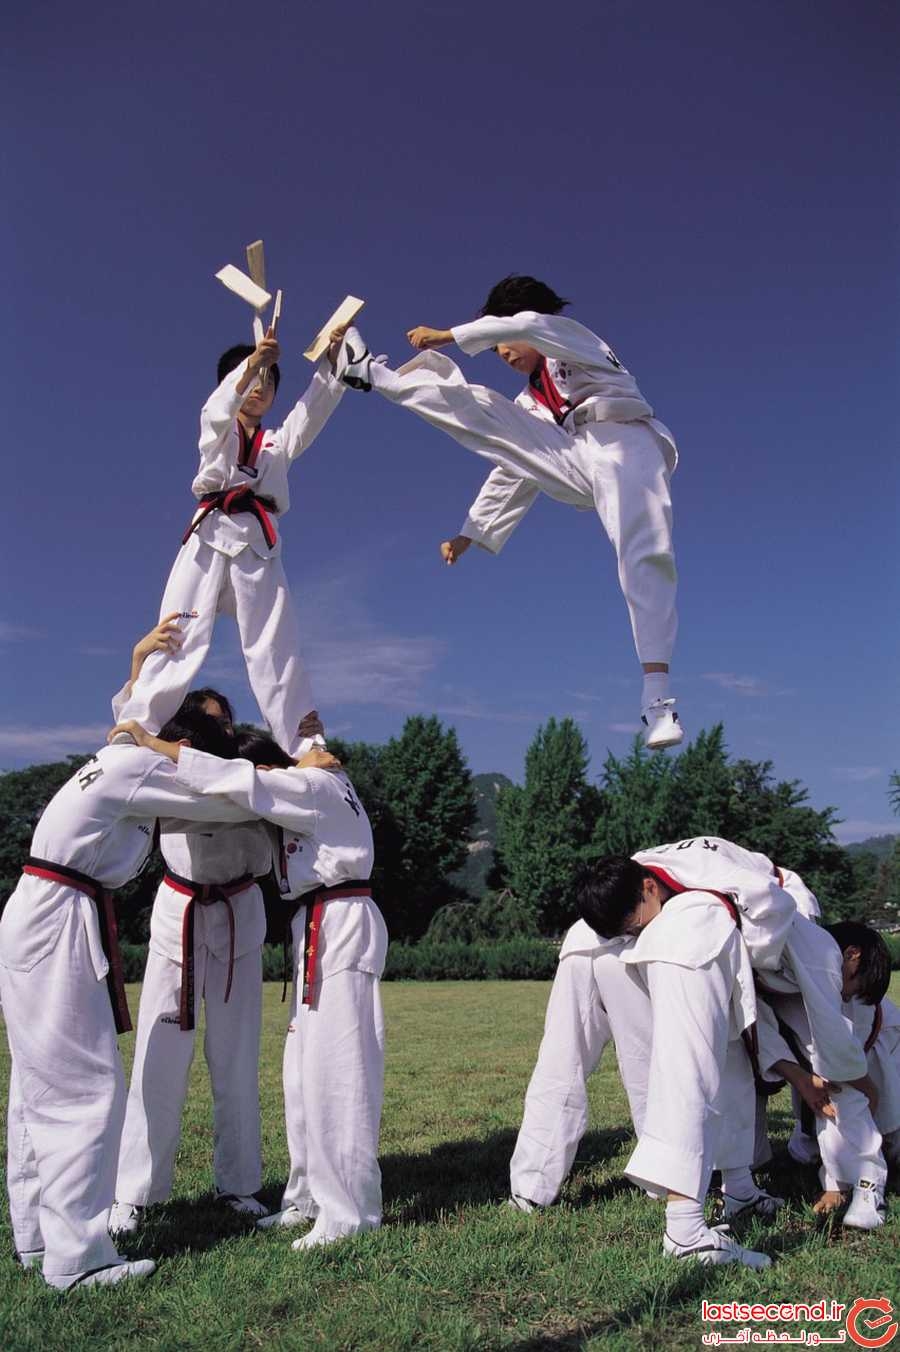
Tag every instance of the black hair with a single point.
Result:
(235, 356)
(607, 891)
(874, 971)
(262, 749)
(204, 733)
(194, 701)
(516, 293)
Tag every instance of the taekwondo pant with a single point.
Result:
(159, 1078)
(592, 1000)
(66, 1104)
(333, 1073)
(618, 469)
(202, 583)
(850, 1145)
(701, 1099)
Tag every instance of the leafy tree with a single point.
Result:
(427, 787)
(23, 796)
(894, 792)
(634, 803)
(498, 916)
(543, 827)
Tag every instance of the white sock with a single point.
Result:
(739, 1184)
(684, 1222)
(656, 686)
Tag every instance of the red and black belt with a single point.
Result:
(315, 903)
(202, 894)
(102, 898)
(232, 501)
(749, 1036)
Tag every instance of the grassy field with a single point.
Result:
(452, 1267)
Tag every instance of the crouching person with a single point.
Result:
(701, 1101)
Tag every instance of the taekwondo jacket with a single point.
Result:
(100, 823)
(766, 908)
(587, 375)
(883, 1057)
(220, 445)
(213, 853)
(327, 842)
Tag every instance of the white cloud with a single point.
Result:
(857, 774)
(860, 829)
(631, 728)
(17, 633)
(749, 686)
(371, 668)
(51, 743)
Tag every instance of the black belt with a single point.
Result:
(232, 501)
(102, 898)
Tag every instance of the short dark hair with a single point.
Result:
(204, 733)
(516, 293)
(874, 973)
(235, 356)
(607, 891)
(194, 701)
(261, 749)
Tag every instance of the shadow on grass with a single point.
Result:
(416, 1189)
(476, 1173)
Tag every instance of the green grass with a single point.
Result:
(452, 1268)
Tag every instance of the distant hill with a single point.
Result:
(880, 846)
(473, 874)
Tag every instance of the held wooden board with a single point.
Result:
(256, 263)
(345, 313)
(242, 286)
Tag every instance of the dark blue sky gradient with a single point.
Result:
(713, 185)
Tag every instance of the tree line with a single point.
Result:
(419, 794)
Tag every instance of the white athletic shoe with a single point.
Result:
(717, 1246)
(30, 1258)
(244, 1206)
(523, 1204)
(105, 1276)
(122, 739)
(803, 1149)
(763, 1204)
(661, 725)
(354, 361)
(866, 1209)
(124, 1218)
(288, 1219)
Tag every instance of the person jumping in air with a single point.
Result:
(580, 431)
(230, 558)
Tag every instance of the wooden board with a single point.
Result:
(345, 313)
(256, 263)
(242, 286)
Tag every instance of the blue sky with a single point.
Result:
(713, 185)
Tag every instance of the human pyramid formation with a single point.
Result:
(703, 962)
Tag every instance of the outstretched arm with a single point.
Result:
(218, 415)
(553, 335)
(502, 501)
(166, 637)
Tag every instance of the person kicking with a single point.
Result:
(581, 432)
(63, 1001)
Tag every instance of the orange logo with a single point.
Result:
(863, 1331)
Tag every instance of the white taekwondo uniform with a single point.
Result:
(701, 1105)
(881, 1035)
(334, 1050)
(581, 432)
(226, 564)
(214, 952)
(67, 1086)
(797, 968)
(595, 998)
